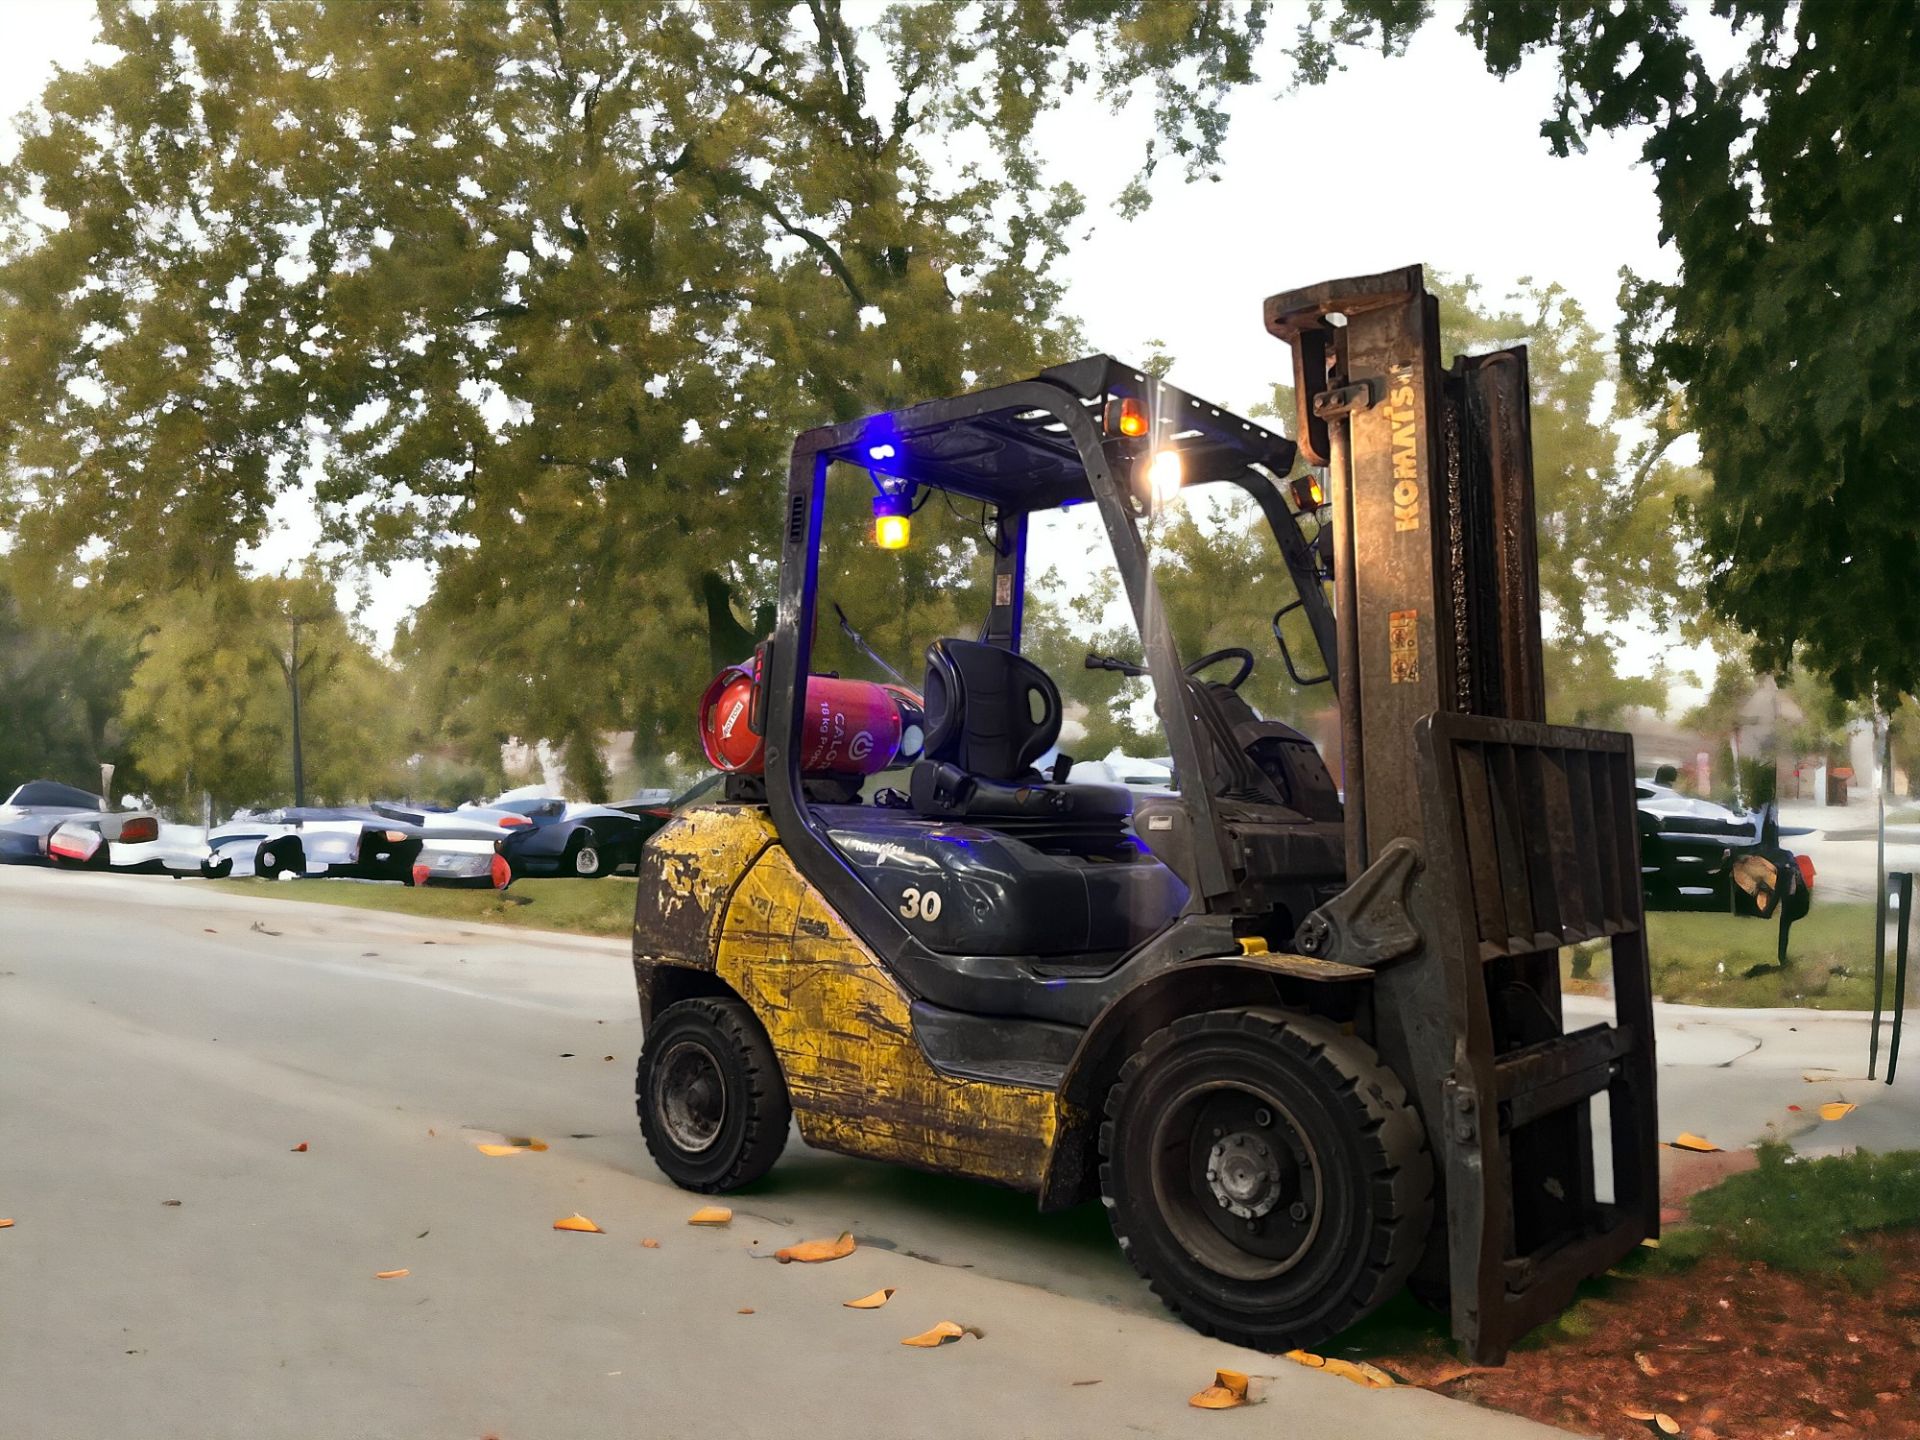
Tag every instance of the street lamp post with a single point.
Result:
(291, 665)
(293, 680)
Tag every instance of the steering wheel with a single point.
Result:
(1232, 652)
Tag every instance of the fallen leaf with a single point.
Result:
(710, 1215)
(430, 1130)
(870, 1302)
(526, 1142)
(169, 1202)
(1358, 1371)
(390, 1274)
(744, 1310)
(423, 1234)
(1836, 1110)
(6, 1224)
(1451, 1372)
(1647, 1367)
(299, 1149)
(580, 1223)
(1086, 1382)
(1229, 1389)
(1687, 1140)
(945, 1333)
(812, 1252)
(649, 1244)
(1665, 1424)
(1650, 1243)
(501, 1149)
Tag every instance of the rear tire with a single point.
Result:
(585, 860)
(712, 1102)
(281, 857)
(1266, 1175)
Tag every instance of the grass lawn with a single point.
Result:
(586, 907)
(1703, 959)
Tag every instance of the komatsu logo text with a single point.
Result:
(1401, 416)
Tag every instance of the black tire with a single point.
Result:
(582, 851)
(278, 857)
(1325, 1186)
(730, 1132)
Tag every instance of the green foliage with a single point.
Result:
(210, 709)
(62, 670)
(1804, 1215)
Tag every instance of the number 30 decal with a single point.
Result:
(920, 904)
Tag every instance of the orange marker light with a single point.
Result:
(1132, 420)
(892, 527)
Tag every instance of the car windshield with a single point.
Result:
(54, 795)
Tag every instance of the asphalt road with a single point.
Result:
(161, 1042)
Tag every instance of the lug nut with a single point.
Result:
(1263, 1118)
(1298, 1210)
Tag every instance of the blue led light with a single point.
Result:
(881, 452)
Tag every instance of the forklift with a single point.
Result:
(1303, 1040)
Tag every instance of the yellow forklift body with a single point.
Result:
(733, 904)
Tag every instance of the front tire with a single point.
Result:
(1266, 1175)
(713, 1105)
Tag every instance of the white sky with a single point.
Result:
(1421, 158)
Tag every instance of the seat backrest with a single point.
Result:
(989, 711)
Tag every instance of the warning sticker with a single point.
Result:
(1403, 646)
(1003, 589)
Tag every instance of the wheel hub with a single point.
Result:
(693, 1097)
(1243, 1171)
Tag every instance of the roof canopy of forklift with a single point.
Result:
(1015, 446)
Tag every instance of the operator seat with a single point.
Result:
(990, 714)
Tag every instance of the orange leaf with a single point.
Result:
(500, 1149)
(1665, 1424)
(812, 1252)
(390, 1274)
(1836, 1110)
(710, 1215)
(1229, 1389)
(649, 1244)
(1647, 1367)
(945, 1333)
(6, 1224)
(744, 1310)
(526, 1142)
(1358, 1371)
(870, 1302)
(580, 1223)
(1687, 1140)
(299, 1149)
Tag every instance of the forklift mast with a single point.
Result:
(1480, 840)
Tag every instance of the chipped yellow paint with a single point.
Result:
(842, 1029)
(686, 873)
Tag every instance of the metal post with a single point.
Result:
(1900, 972)
(293, 683)
(1880, 896)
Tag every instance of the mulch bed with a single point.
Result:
(1729, 1350)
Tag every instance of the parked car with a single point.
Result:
(590, 841)
(460, 848)
(347, 841)
(46, 823)
(1696, 855)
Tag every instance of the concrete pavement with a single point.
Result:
(159, 1041)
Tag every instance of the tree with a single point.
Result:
(537, 289)
(210, 707)
(63, 667)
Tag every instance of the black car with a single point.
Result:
(589, 841)
(1696, 855)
